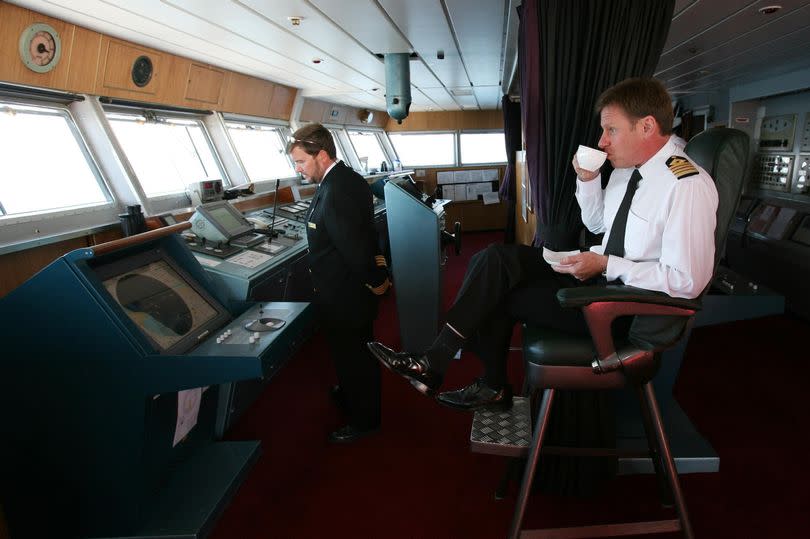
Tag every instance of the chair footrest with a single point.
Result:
(604, 530)
(507, 433)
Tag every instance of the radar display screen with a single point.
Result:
(165, 304)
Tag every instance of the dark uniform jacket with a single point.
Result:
(343, 256)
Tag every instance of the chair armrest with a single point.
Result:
(602, 304)
(585, 295)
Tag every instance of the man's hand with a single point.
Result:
(582, 266)
(582, 174)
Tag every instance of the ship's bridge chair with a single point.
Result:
(558, 361)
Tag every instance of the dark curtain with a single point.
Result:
(532, 103)
(512, 139)
(570, 51)
(585, 46)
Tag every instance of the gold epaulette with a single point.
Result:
(379, 290)
(681, 167)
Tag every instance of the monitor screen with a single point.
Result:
(224, 218)
(164, 303)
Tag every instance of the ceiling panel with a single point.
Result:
(710, 44)
(489, 97)
(699, 17)
(479, 37)
(425, 25)
(740, 60)
(316, 36)
(441, 99)
(422, 76)
(744, 29)
(367, 23)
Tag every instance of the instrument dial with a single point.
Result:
(40, 47)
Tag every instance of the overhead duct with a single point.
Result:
(397, 85)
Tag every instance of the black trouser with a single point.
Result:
(505, 284)
(358, 373)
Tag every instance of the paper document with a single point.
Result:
(554, 257)
(188, 409)
(491, 198)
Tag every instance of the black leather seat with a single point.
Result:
(557, 361)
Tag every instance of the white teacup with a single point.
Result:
(590, 158)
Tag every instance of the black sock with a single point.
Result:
(443, 349)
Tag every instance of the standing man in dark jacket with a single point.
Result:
(348, 273)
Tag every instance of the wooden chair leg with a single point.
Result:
(651, 404)
(664, 492)
(531, 463)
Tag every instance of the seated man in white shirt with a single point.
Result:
(663, 241)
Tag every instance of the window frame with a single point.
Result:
(456, 147)
(341, 138)
(30, 229)
(479, 132)
(380, 134)
(284, 132)
(169, 202)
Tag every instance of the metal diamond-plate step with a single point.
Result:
(503, 433)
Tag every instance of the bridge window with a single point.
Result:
(339, 145)
(166, 153)
(368, 148)
(261, 149)
(46, 165)
(483, 147)
(425, 149)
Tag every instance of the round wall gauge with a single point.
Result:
(142, 71)
(40, 47)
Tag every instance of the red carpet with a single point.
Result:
(743, 384)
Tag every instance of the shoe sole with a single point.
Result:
(355, 438)
(417, 385)
(497, 407)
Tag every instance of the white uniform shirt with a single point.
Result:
(669, 239)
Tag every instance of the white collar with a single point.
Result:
(335, 162)
(667, 150)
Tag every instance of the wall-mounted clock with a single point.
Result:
(40, 47)
(142, 71)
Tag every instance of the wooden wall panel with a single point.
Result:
(247, 95)
(115, 70)
(172, 89)
(448, 120)
(204, 84)
(19, 266)
(94, 63)
(474, 216)
(13, 21)
(85, 55)
(281, 103)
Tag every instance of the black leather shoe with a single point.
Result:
(348, 434)
(414, 367)
(338, 397)
(478, 396)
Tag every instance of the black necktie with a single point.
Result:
(615, 244)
